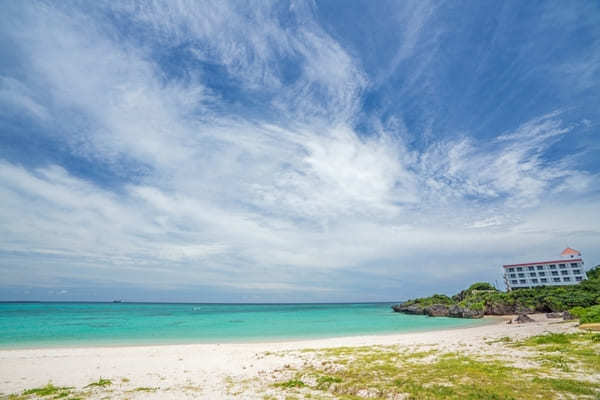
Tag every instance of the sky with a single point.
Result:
(323, 151)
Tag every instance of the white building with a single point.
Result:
(568, 270)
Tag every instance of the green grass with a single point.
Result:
(551, 338)
(385, 372)
(292, 383)
(144, 389)
(556, 362)
(504, 339)
(69, 393)
(47, 390)
(100, 383)
(567, 351)
(568, 386)
(325, 381)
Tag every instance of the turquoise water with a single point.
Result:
(79, 324)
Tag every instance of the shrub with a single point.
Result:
(435, 299)
(477, 306)
(481, 286)
(589, 315)
(594, 273)
(577, 311)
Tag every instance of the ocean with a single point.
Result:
(24, 325)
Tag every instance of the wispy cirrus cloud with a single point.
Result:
(207, 190)
(512, 168)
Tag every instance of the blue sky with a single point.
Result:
(292, 151)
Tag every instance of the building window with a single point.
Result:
(542, 273)
(544, 280)
(513, 275)
(530, 268)
(511, 270)
(522, 280)
(576, 271)
(540, 267)
(552, 266)
(514, 282)
(521, 275)
(534, 281)
(578, 278)
(519, 269)
(562, 266)
(574, 265)
(554, 273)
(556, 279)
(564, 272)
(532, 274)
(567, 279)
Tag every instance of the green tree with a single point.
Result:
(594, 273)
(481, 286)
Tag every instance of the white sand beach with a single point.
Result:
(214, 371)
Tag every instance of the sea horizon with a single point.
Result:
(191, 302)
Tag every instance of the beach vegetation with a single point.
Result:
(587, 315)
(47, 390)
(503, 339)
(291, 383)
(474, 306)
(557, 367)
(481, 286)
(100, 383)
(566, 351)
(551, 338)
(594, 273)
(428, 301)
(144, 389)
(325, 381)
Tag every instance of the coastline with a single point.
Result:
(487, 320)
(177, 368)
(105, 325)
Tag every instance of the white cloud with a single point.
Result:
(236, 202)
(512, 169)
(412, 19)
(253, 46)
(13, 94)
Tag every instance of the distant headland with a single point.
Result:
(582, 300)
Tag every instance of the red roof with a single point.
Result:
(570, 252)
(543, 262)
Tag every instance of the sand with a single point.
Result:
(212, 371)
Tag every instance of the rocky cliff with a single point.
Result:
(438, 310)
